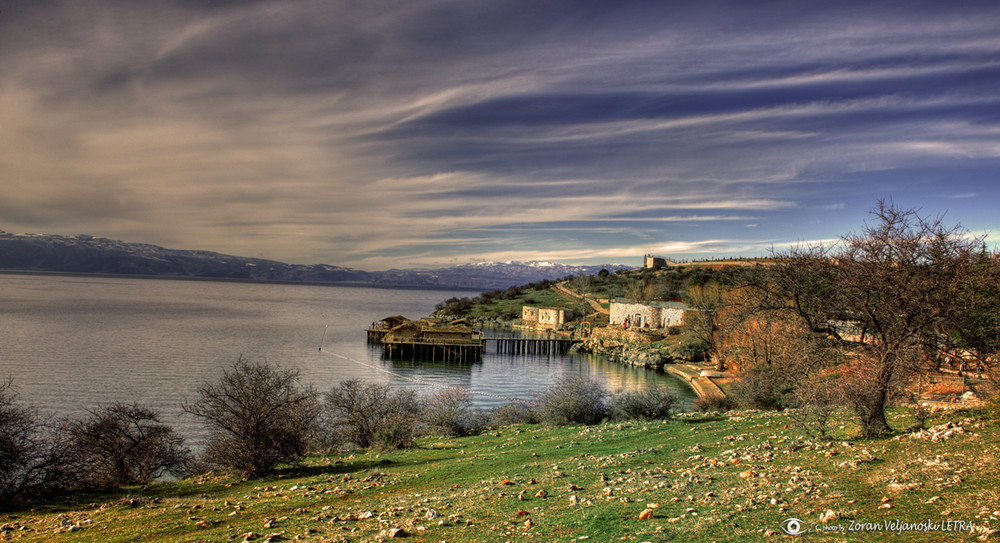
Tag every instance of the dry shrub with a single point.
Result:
(714, 403)
(649, 404)
(512, 413)
(449, 412)
(372, 415)
(573, 399)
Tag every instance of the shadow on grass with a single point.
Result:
(202, 486)
(702, 419)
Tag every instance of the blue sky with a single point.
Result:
(411, 134)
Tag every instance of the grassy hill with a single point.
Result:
(733, 477)
(503, 306)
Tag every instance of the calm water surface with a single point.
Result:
(71, 343)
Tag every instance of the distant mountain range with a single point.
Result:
(88, 254)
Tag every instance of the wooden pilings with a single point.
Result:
(473, 351)
(375, 335)
(456, 352)
(544, 346)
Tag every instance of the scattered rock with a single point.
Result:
(646, 514)
(937, 433)
(394, 532)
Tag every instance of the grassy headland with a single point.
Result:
(734, 477)
(504, 306)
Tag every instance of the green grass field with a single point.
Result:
(732, 477)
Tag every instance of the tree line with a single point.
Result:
(261, 416)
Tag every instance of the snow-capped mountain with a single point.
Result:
(490, 275)
(88, 254)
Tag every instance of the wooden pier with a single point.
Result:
(427, 339)
(521, 345)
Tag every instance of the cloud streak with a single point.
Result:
(383, 135)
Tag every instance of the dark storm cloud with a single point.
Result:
(382, 134)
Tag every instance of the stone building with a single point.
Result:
(543, 318)
(651, 315)
(653, 262)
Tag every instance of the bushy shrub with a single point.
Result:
(991, 407)
(454, 306)
(449, 412)
(259, 416)
(764, 386)
(691, 349)
(120, 445)
(649, 404)
(573, 399)
(372, 415)
(512, 413)
(714, 403)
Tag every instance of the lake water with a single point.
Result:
(71, 343)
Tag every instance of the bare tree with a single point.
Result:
(259, 416)
(883, 295)
(120, 445)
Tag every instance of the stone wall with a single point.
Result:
(619, 336)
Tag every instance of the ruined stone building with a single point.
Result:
(543, 318)
(652, 315)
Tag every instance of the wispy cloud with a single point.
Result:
(382, 134)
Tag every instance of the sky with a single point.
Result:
(386, 134)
